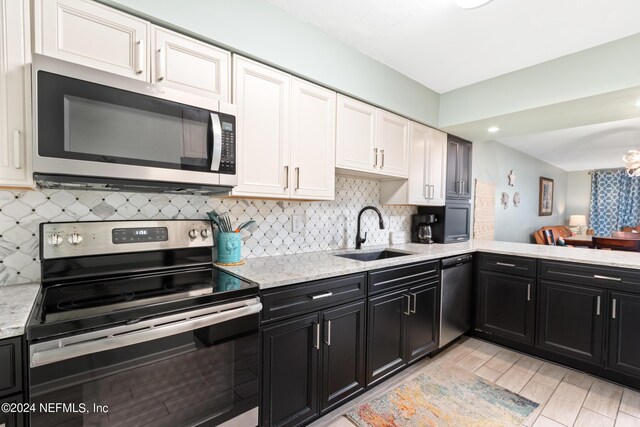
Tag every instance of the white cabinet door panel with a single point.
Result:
(393, 144)
(261, 95)
(356, 135)
(186, 64)
(313, 127)
(88, 33)
(436, 167)
(418, 146)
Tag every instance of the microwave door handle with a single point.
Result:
(216, 150)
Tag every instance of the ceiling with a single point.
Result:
(445, 47)
(581, 148)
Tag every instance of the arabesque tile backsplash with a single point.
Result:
(328, 224)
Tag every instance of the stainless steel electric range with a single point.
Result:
(134, 326)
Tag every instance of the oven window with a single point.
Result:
(210, 374)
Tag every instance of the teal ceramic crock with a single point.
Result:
(229, 247)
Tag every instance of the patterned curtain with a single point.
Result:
(615, 201)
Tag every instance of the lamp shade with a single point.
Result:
(578, 220)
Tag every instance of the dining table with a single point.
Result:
(580, 240)
(587, 241)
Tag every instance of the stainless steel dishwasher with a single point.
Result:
(455, 296)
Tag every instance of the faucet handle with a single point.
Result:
(365, 238)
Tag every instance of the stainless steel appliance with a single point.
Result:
(421, 228)
(134, 326)
(455, 296)
(97, 130)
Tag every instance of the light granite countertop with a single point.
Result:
(16, 302)
(271, 272)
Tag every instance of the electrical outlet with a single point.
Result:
(297, 223)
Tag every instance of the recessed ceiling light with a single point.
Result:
(493, 129)
(470, 4)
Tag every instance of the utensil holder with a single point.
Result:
(229, 247)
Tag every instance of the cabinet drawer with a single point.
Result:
(310, 296)
(10, 366)
(508, 264)
(589, 274)
(406, 275)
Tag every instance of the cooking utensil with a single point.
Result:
(244, 225)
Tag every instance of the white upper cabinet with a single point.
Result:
(15, 115)
(94, 35)
(393, 144)
(313, 141)
(371, 140)
(356, 136)
(262, 96)
(427, 168)
(183, 63)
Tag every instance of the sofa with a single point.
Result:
(558, 231)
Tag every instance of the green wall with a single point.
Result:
(264, 32)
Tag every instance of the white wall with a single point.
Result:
(493, 161)
(578, 193)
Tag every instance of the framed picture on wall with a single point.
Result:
(545, 207)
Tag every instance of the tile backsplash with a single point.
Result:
(327, 224)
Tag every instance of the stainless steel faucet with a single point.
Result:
(360, 240)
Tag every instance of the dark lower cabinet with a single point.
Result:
(343, 359)
(571, 320)
(506, 306)
(11, 419)
(290, 372)
(624, 335)
(402, 327)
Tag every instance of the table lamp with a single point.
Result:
(577, 223)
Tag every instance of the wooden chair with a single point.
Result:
(631, 229)
(631, 245)
(548, 237)
(625, 235)
(590, 232)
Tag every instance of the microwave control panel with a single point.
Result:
(228, 157)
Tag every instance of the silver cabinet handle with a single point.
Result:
(598, 306)
(17, 149)
(375, 157)
(408, 303)
(320, 296)
(286, 177)
(505, 264)
(140, 54)
(615, 279)
(529, 292)
(463, 184)
(297, 178)
(426, 192)
(328, 333)
(415, 299)
(162, 65)
(382, 161)
(613, 308)
(433, 192)
(317, 331)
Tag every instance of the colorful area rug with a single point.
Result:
(444, 395)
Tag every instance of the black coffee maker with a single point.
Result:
(421, 228)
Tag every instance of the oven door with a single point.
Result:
(92, 123)
(199, 367)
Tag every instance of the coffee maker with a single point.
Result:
(421, 228)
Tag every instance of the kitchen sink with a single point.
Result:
(373, 256)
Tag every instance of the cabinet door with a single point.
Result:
(356, 136)
(464, 169)
(12, 419)
(386, 338)
(457, 221)
(290, 371)
(436, 167)
(91, 34)
(313, 141)
(418, 184)
(393, 144)
(261, 95)
(15, 122)
(422, 326)
(571, 320)
(189, 65)
(10, 366)
(624, 345)
(343, 362)
(506, 306)
(453, 181)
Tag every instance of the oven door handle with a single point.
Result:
(94, 342)
(216, 137)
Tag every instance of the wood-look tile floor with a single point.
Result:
(566, 397)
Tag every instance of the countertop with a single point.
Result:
(16, 302)
(271, 272)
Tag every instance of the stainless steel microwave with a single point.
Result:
(96, 130)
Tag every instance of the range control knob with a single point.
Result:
(55, 240)
(75, 239)
(204, 233)
(193, 233)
